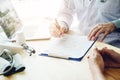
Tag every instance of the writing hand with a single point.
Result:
(57, 30)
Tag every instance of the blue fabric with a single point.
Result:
(113, 38)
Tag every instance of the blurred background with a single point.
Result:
(35, 16)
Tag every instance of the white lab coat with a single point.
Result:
(90, 13)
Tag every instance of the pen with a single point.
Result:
(60, 32)
(54, 55)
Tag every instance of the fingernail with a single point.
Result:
(88, 38)
(93, 38)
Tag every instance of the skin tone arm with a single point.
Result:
(57, 30)
(104, 29)
(96, 65)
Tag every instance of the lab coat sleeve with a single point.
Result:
(117, 23)
(66, 12)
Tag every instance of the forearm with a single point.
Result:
(97, 74)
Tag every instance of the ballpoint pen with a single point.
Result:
(59, 28)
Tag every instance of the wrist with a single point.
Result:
(116, 23)
(113, 27)
(99, 74)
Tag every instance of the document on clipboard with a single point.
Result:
(70, 46)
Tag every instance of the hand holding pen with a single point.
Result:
(58, 30)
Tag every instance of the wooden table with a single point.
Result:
(47, 68)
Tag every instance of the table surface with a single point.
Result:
(47, 68)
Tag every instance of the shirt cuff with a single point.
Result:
(116, 23)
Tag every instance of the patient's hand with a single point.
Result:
(96, 65)
(96, 60)
(110, 57)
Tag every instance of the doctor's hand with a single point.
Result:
(57, 30)
(104, 29)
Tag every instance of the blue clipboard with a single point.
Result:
(70, 38)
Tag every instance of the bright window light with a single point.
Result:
(34, 15)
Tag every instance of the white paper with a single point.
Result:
(74, 46)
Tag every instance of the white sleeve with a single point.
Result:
(66, 12)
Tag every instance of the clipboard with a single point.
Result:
(70, 47)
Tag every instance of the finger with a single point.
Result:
(96, 34)
(54, 31)
(103, 37)
(107, 51)
(99, 32)
(93, 29)
(59, 28)
(63, 30)
(93, 32)
(57, 24)
(93, 53)
(93, 38)
(111, 54)
(96, 50)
